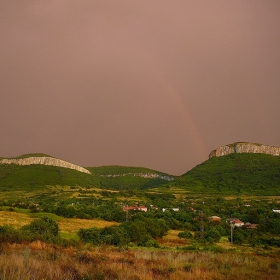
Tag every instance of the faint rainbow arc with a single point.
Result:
(180, 103)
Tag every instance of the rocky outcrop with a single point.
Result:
(245, 147)
(143, 175)
(44, 161)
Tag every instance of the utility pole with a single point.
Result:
(126, 212)
(231, 232)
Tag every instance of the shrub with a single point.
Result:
(9, 234)
(113, 235)
(152, 243)
(44, 228)
(136, 231)
(213, 235)
(185, 234)
(90, 235)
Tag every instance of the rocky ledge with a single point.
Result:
(143, 175)
(44, 161)
(245, 147)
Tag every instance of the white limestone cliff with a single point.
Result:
(245, 147)
(44, 161)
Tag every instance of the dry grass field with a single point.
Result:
(40, 261)
(174, 260)
(68, 226)
(14, 219)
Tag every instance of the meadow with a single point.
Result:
(41, 261)
(174, 258)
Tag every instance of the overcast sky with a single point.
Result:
(153, 83)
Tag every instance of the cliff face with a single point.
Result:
(44, 161)
(143, 175)
(244, 147)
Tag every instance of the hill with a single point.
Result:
(124, 177)
(235, 173)
(37, 172)
(239, 168)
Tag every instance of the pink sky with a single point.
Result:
(158, 84)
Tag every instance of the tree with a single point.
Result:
(213, 235)
(185, 235)
(113, 235)
(9, 234)
(90, 235)
(136, 231)
(44, 228)
(239, 236)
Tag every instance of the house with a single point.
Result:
(142, 208)
(174, 209)
(250, 226)
(236, 222)
(135, 208)
(215, 219)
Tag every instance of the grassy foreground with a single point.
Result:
(40, 261)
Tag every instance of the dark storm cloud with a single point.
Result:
(147, 83)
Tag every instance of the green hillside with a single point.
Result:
(37, 176)
(28, 178)
(124, 177)
(234, 174)
(116, 169)
(250, 174)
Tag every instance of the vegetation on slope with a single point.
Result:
(123, 177)
(257, 174)
(254, 174)
(116, 169)
(27, 178)
(30, 177)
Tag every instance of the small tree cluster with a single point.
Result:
(44, 229)
(139, 232)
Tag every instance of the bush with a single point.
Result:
(136, 231)
(45, 229)
(152, 243)
(9, 234)
(213, 235)
(113, 235)
(214, 248)
(185, 234)
(90, 235)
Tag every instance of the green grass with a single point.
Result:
(32, 180)
(257, 174)
(115, 169)
(38, 176)
(234, 174)
(43, 214)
